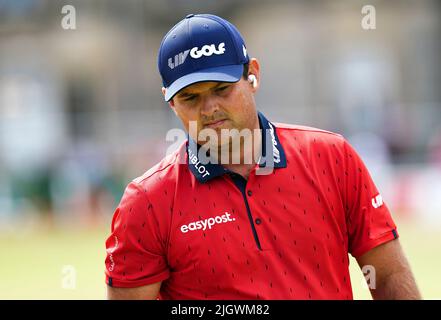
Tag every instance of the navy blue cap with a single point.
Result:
(201, 47)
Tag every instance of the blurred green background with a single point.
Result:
(81, 114)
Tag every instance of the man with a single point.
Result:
(278, 226)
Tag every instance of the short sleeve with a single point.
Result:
(135, 253)
(368, 218)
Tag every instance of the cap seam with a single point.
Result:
(191, 41)
(160, 58)
(231, 37)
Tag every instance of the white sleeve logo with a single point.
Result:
(110, 252)
(377, 201)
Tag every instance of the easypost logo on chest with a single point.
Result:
(205, 224)
(196, 53)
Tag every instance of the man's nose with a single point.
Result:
(209, 106)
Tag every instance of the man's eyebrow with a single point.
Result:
(221, 84)
(184, 94)
(187, 94)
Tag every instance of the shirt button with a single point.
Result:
(258, 221)
(250, 193)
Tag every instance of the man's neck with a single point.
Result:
(249, 155)
(243, 169)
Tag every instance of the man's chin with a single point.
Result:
(214, 146)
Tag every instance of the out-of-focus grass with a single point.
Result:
(422, 246)
(31, 264)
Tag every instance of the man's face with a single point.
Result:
(216, 105)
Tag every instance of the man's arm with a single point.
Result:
(393, 277)
(148, 292)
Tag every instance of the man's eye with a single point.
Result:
(220, 89)
(190, 98)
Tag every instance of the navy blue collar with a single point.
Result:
(273, 155)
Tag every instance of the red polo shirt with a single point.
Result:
(207, 233)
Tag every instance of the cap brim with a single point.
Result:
(231, 73)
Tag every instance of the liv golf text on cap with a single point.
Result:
(201, 47)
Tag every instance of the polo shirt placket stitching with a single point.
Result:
(241, 184)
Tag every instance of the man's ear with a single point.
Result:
(172, 106)
(254, 69)
(171, 103)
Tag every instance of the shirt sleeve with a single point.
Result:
(135, 250)
(369, 221)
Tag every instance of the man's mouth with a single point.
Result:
(215, 123)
